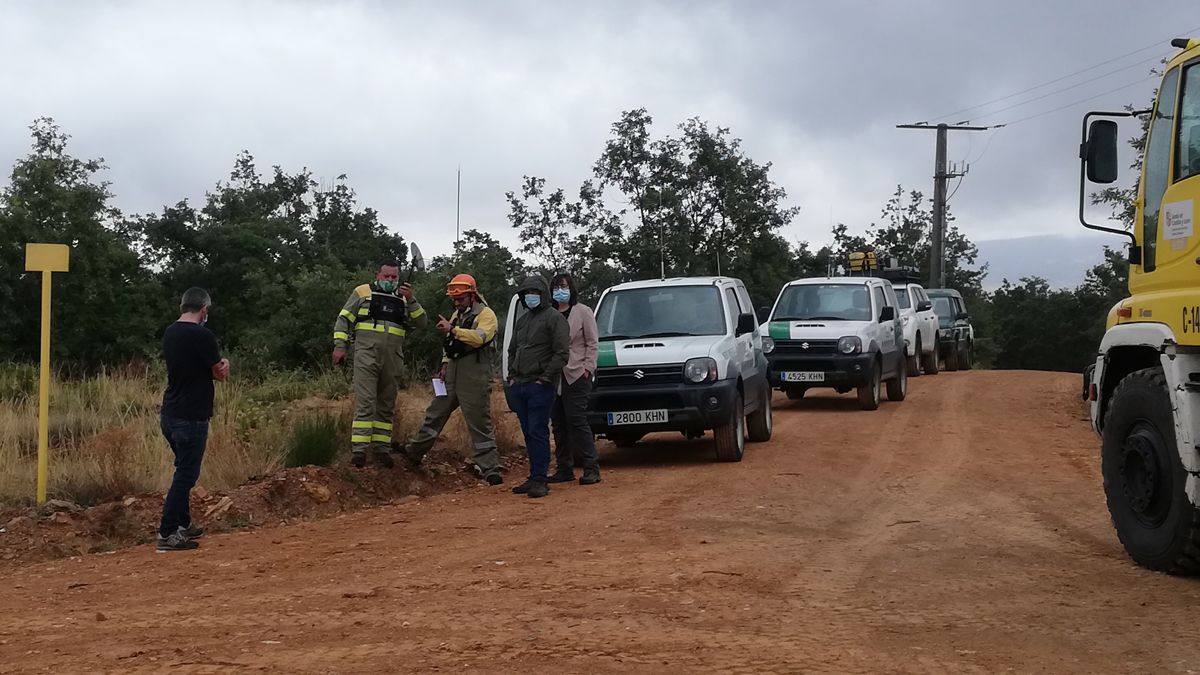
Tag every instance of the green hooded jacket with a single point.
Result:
(541, 340)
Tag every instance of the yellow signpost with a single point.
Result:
(47, 259)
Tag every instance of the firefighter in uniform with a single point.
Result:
(376, 317)
(467, 373)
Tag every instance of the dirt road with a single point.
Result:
(963, 530)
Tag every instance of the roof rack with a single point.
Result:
(867, 264)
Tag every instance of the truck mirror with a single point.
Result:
(963, 316)
(924, 306)
(1100, 152)
(887, 314)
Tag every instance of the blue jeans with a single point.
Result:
(187, 440)
(533, 403)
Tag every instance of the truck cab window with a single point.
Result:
(1187, 143)
(1158, 163)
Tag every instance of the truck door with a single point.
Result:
(744, 352)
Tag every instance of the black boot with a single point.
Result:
(358, 459)
(538, 489)
(494, 479)
(406, 451)
(562, 475)
(385, 460)
(590, 477)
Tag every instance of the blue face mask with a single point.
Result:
(532, 300)
(561, 295)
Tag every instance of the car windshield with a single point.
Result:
(942, 306)
(824, 302)
(902, 297)
(667, 311)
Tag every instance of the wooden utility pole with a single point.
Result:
(937, 254)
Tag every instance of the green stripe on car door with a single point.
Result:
(607, 354)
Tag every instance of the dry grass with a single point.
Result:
(105, 441)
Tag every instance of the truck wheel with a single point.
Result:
(897, 387)
(868, 394)
(930, 362)
(1145, 483)
(761, 422)
(913, 363)
(730, 437)
(966, 358)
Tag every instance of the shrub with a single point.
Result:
(315, 440)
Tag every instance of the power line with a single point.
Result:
(1074, 86)
(1071, 104)
(1060, 79)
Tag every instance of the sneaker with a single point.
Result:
(590, 477)
(562, 476)
(192, 532)
(538, 488)
(493, 479)
(358, 460)
(385, 460)
(176, 542)
(522, 488)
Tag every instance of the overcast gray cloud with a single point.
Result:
(397, 95)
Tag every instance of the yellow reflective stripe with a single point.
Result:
(346, 313)
(363, 311)
(381, 438)
(339, 335)
(359, 424)
(383, 426)
(381, 328)
(420, 311)
(360, 439)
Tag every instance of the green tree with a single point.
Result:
(101, 312)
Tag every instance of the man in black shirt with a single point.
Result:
(193, 362)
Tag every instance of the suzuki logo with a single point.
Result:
(638, 374)
(803, 345)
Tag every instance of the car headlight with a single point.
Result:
(700, 370)
(768, 345)
(945, 332)
(850, 345)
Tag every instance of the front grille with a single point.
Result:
(804, 347)
(616, 376)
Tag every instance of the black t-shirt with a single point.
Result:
(190, 351)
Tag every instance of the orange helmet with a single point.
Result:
(461, 284)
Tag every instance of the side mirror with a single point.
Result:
(963, 316)
(887, 314)
(745, 324)
(1099, 152)
(924, 306)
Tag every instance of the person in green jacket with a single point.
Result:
(467, 371)
(376, 318)
(537, 353)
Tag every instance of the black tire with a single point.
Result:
(897, 387)
(952, 358)
(730, 438)
(795, 394)
(930, 361)
(761, 422)
(912, 364)
(868, 394)
(1145, 483)
(966, 358)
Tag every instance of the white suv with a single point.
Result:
(920, 324)
(681, 355)
(839, 332)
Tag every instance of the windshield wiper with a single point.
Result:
(669, 333)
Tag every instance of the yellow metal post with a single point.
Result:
(47, 259)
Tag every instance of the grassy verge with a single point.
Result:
(105, 441)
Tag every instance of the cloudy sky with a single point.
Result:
(397, 95)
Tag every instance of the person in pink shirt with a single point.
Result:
(572, 435)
